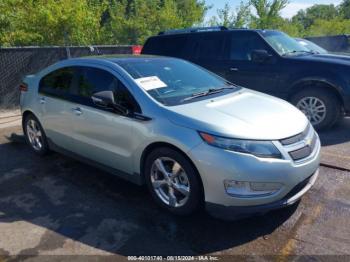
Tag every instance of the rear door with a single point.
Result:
(208, 50)
(242, 70)
(56, 118)
(100, 134)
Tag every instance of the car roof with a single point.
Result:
(164, 34)
(119, 58)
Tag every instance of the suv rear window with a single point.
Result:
(166, 45)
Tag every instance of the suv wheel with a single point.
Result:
(35, 135)
(320, 106)
(173, 181)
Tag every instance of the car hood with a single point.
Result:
(326, 58)
(244, 114)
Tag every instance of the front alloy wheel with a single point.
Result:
(170, 182)
(314, 109)
(173, 181)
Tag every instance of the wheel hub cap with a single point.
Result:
(170, 182)
(34, 135)
(314, 109)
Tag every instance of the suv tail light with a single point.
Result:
(23, 87)
(136, 49)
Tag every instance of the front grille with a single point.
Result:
(297, 138)
(304, 151)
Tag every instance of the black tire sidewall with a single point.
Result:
(333, 107)
(45, 148)
(195, 198)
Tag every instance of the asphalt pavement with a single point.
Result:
(54, 206)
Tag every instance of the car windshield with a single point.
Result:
(284, 44)
(173, 81)
(312, 46)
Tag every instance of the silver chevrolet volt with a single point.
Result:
(192, 137)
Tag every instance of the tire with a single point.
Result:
(322, 98)
(186, 177)
(38, 141)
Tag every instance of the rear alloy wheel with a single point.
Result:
(35, 135)
(320, 106)
(173, 181)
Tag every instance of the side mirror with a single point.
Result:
(106, 99)
(103, 98)
(260, 56)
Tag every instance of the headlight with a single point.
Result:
(257, 148)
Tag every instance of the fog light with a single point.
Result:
(250, 189)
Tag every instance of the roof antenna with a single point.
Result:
(67, 46)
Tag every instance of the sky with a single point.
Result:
(292, 8)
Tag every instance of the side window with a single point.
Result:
(242, 45)
(92, 80)
(172, 45)
(58, 82)
(166, 45)
(210, 47)
(124, 98)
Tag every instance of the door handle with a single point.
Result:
(77, 111)
(234, 69)
(42, 100)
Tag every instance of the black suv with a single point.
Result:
(267, 61)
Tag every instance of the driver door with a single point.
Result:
(242, 70)
(101, 134)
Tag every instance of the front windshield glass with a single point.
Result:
(284, 44)
(173, 81)
(312, 46)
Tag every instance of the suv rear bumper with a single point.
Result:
(237, 212)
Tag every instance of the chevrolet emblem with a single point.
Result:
(308, 141)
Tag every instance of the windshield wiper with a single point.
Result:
(210, 91)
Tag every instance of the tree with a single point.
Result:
(133, 21)
(50, 22)
(335, 26)
(316, 12)
(267, 13)
(86, 22)
(232, 18)
(344, 9)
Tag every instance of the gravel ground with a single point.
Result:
(55, 207)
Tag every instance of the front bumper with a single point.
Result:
(216, 166)
(236, 212)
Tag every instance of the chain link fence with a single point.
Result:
(17, 62)
(336, 43)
